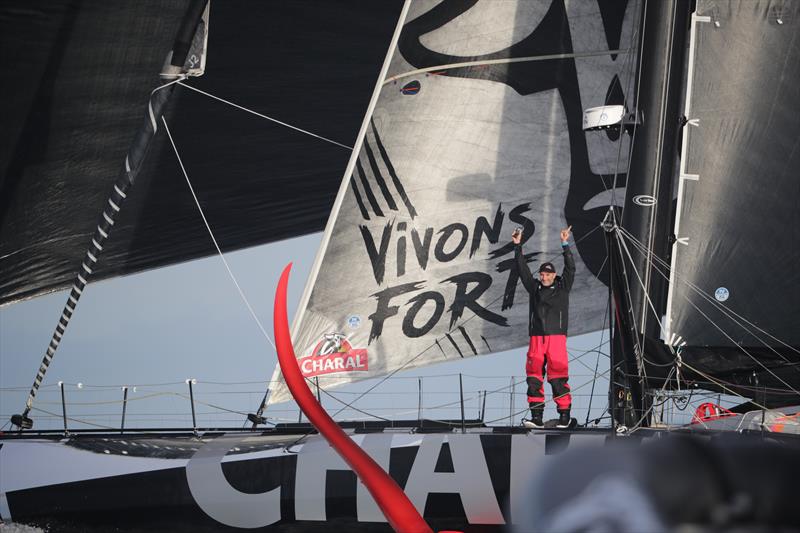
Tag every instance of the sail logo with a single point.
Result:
(334, 354)
(644, 200)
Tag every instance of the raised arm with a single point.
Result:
(569, 262)
(522, 265)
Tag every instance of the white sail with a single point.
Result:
(475, 131)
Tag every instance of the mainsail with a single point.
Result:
(475, 129)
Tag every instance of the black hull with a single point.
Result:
(481, 480)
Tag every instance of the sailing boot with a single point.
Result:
(564, 419)
(537, 417)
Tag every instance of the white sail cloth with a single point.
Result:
(418, 267)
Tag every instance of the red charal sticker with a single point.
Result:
(334, 354)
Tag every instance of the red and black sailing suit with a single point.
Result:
(547, 326)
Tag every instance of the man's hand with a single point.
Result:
(565, 234)
(516, 237)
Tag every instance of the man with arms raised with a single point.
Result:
(547, 327)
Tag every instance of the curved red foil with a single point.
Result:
(398, 509)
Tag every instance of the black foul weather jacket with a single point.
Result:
(549, 306)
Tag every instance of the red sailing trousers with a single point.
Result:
(547, 354)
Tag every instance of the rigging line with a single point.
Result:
(597, 360)
(117, 386)
(214, 239)
(256, 113)
(502, 61)
(628, 286)
(729, 313)
(726, 389)
(648, 300)
(178, 80)
(78, 420)
(186, 397)
(115, 402)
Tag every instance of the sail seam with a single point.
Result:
(503, 61)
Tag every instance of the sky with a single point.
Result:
(155, 329)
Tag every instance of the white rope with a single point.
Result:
(276, 121)
(639, 279)
(214, 240)
(179, 79)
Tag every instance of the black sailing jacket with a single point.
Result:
(549, 306)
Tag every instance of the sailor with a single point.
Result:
(547, 327)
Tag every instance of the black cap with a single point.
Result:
(547, 267)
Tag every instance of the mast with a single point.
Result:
(647, 211)
(648, 200)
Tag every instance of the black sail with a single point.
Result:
(733, 309)
(75, 81)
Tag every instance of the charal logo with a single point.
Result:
(334, 354)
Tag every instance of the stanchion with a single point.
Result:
(419, 401)
(191, 382)
(511, 402)
(63, 408)
(124, 408)
(461, 394)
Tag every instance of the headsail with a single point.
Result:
(472, 134)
